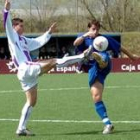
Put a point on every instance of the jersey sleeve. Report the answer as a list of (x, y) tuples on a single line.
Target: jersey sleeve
[(114, 46), (36, 43), (11, 34), (79, 49)]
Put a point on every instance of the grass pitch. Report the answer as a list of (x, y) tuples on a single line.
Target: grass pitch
[(65, 110)]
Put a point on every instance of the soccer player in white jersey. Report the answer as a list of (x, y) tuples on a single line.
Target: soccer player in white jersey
[(28, 71)]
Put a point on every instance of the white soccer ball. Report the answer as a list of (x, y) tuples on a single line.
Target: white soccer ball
[(100, 43)]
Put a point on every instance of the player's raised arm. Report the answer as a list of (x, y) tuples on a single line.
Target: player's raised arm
[(7, 21), (81, 38), (38, 42)]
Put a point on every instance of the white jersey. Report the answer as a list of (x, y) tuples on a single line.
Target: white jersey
[(20, 46)]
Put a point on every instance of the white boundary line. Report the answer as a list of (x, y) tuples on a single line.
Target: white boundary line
[(73, 88), (71, 121)]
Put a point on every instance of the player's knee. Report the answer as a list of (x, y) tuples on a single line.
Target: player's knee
[(96, 97), (33, 103), (45, 67), (53, 62)]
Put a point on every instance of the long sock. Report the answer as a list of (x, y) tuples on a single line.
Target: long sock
[(65, 61), (101, 110), (26, 111)]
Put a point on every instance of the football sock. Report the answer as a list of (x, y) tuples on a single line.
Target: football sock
[(101, 110), (26, 111), (65, 61)]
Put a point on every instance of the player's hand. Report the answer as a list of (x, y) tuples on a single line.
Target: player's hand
[(90, 34), (7, 5), (135, 57), (52, 28)]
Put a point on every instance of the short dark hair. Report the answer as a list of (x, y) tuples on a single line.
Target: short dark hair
[(16, 21), (94, 22)]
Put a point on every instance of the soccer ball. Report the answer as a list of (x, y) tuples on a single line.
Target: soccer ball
[(100, 43)]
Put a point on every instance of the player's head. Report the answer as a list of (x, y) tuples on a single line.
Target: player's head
[(94, 25), (18, 25)]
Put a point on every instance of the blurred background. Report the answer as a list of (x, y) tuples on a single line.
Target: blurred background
[(72, 16), (116, 16)]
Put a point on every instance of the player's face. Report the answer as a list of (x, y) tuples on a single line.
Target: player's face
[(94, 29), (19, 28)]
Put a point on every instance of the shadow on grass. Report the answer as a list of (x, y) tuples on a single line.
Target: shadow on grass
[(116, 132), (83, 133), (73, 133), (126, 131)]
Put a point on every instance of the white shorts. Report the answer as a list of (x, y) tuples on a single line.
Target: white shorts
[(28, 74)]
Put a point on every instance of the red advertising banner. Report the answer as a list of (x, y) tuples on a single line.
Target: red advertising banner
[(118, 65), (125, 65), (3, 67)]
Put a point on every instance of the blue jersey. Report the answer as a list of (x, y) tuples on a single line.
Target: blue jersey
[(92, 67), (113, 47)]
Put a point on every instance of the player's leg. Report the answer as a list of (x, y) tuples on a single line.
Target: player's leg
[(31, 98), (47, 65), (96, 92), (27, 74), (96, 82), (65, 61)]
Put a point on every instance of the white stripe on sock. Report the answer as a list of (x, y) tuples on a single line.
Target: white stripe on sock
[(105, 120)]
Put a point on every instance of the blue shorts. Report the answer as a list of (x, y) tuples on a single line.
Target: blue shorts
[(95, 72)]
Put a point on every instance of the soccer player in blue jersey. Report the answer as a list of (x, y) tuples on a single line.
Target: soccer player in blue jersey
[(99, 67)]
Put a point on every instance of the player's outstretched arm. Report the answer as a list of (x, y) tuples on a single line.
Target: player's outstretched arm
[(7, 22), (129, 54), (7, 5), (81, 38), (36, 43)]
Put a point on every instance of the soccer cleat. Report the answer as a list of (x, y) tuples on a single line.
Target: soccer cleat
[(88, 52), (108, 129), (24, 132), (99, 60)]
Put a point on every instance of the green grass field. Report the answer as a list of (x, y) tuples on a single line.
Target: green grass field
[(65, 101)]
